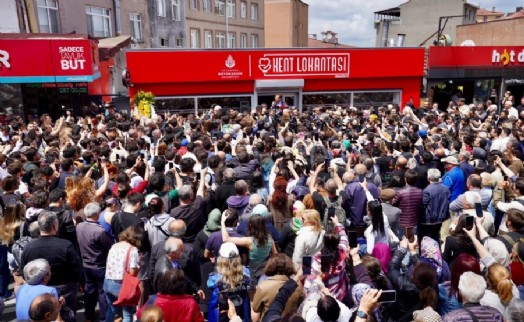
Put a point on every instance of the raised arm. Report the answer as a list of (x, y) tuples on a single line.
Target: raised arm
[(239, 241), (103, 188)]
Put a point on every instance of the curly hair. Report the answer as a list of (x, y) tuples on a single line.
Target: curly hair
[(279, 198)]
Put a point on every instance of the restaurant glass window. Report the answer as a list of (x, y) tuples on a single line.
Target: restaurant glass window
[(174, 104), (239, 103), (364, 99), (326, 99)]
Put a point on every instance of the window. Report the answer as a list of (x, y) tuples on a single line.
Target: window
[(231, 8), (207, 5), (175, 10), (48, 16), (161, 8), (208, 39), (220, 41), (195, 38), (243, 9), (136, 25), (219, 7), (98, 22), (193, 4), (231, 40), (164, 42), (243, 40), (254, 11), (254, 41), (180, 42)]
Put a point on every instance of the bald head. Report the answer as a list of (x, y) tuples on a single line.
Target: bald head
[(44, 308), (177, 228), (440, 153), (402, 162), (360, 169), (348, 177), (331, 186)]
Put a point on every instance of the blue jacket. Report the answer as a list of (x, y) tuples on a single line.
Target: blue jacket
[(214, 283), (455, 181), (435, 200)]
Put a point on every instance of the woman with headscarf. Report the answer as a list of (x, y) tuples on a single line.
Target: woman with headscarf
[(212, 225), (430, 253)]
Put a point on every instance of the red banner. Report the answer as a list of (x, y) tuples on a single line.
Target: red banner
[(48, 60), (241, 65), (476, 57)]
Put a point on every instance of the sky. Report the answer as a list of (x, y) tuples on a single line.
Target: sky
[(353, 19)]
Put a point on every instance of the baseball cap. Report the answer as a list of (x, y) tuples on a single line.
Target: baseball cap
[(450, 160), (260, 210), (184, 142), (228, 250)]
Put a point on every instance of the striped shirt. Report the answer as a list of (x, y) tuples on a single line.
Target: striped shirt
[(409, 200), (474, 312)]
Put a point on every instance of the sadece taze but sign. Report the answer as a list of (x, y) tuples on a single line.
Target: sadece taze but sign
[(212, 65), (48, 60)]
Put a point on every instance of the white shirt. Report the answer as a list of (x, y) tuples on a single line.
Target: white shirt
[(499, 144), (513, 112)]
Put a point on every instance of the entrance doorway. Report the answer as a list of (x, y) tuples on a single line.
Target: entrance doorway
[(290, 98)]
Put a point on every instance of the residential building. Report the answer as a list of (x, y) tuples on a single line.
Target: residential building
[(500, 32), (167, 23), (286, 23), (416, 22), (224, 23), (484, 15), (11, 19)]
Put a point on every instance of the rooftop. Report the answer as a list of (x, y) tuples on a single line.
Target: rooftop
[(486, 12)]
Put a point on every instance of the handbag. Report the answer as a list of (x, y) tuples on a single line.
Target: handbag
[(130, 292)]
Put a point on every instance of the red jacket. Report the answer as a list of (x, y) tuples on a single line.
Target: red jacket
[(176, 308)]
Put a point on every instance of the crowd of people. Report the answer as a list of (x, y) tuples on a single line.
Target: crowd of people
[(331, 214)]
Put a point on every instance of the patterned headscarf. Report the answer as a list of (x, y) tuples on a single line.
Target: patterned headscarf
[(430, 253)]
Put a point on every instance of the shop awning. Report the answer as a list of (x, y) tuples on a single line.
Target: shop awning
[(108, 47)]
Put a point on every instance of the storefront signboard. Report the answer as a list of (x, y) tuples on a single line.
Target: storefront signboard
[(466, 57), (48, 60)]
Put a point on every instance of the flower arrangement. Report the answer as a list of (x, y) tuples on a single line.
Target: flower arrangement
[(143, 102)]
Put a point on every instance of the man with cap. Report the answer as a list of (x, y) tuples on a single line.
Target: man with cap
[(435, 202), (454, 177), (391, 212)]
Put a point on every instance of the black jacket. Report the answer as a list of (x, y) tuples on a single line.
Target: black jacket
[(407, 292), (162, 266)]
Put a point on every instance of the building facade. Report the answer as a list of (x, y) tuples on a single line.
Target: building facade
[(484, 15), (224, 23), (166, 23), (286, 23), (416, 22), (498, 32)]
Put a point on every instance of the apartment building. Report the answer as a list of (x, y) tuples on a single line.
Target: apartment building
[(286, 23), (224, 23)]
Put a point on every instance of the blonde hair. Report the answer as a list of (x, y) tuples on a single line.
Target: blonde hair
[(152, 314), (80, 192), (231, 270), (11, 220), (499, 280), (314, 219), (487, 180)]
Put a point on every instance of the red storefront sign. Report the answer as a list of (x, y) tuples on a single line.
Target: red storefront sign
[(48, 60), (476, 57), (241, 65)]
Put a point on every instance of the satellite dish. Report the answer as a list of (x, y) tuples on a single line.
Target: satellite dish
[(445, 40), (468, 42)]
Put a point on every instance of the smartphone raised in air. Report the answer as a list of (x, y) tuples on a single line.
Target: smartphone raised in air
[(352, 238), (361, 178), (410, 234), (325, 264), (470, 220), (478, 210), (306, 265), (387, 296)]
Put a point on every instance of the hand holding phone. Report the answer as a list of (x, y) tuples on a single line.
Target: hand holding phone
[(410, 234), (387, 296), (353, 239), (306, 265)]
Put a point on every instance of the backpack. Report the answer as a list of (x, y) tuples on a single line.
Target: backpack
[(335, 207), (19, 245)]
